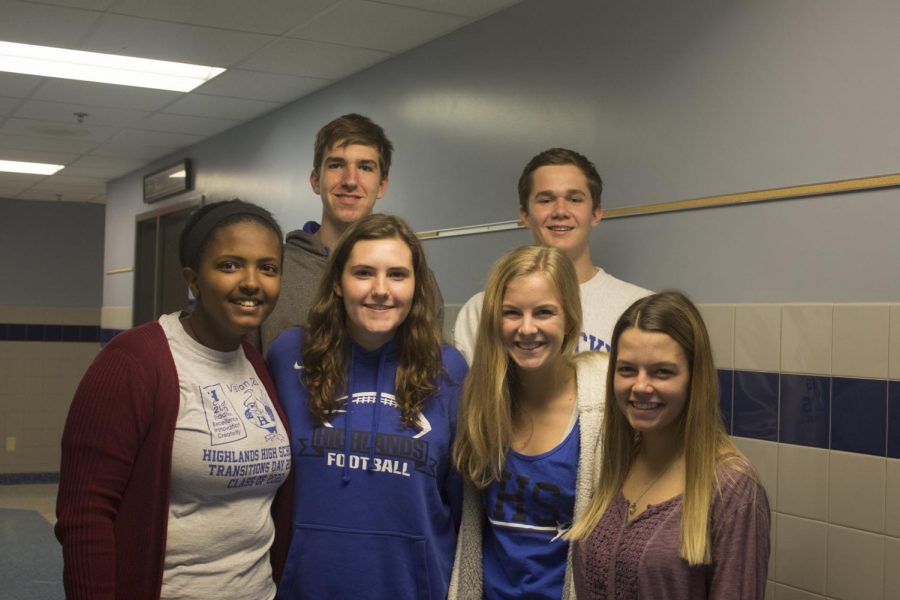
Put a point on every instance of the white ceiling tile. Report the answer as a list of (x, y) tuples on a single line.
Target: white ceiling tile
[(102, 163), (64, 112), (101, 94), (253, 85), (157, 139), (20, 142), (20, 178), (30, 23), (468, 8), (8, 105), (18, 86), (144, 154), (312, 59), (103, 174), (131, 36), (378, 26), (56, 130), (38, 193), (85, 4), (220, 108), (51, 184), (274, 17), (10, 187), (201, 126), (42, 156)]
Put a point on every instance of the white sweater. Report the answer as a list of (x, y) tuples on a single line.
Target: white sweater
[(603, 300)]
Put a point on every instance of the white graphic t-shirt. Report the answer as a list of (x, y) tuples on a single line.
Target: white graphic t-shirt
[(229, 456)]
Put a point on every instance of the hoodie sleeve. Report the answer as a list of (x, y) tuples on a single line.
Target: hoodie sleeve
[(456, 369)]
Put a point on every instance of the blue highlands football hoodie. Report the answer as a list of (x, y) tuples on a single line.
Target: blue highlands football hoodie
[(376, 512)]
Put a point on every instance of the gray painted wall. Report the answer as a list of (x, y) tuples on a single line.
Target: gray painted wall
[(52, 254), (672, 100)]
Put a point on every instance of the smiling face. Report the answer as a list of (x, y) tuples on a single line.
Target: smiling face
[(377, 286), (652, 381), (236, 283), (534, 324), (560, 210), (349, 182)]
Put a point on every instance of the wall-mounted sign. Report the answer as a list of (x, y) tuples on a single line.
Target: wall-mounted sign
[(168, 182)]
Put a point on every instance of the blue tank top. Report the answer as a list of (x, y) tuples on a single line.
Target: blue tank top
[(527, 512)]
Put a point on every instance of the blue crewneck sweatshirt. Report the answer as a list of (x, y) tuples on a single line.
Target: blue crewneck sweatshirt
[(376, 512)]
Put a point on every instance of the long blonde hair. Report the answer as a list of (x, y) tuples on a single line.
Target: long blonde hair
[(706, 444), (326, 351), (484, 426)]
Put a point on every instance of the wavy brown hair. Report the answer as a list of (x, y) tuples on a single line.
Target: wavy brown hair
[(484, 425), (326, 350)]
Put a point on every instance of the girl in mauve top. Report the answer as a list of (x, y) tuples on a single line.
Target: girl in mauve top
[(678, 511)]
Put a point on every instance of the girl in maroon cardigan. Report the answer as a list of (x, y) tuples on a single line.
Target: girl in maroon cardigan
[(175, 444), (678, 511)]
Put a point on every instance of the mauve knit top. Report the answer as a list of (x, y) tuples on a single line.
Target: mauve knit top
[(627, 561)]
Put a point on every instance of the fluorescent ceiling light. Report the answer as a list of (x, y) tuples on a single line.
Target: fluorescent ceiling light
[(103, 68), (13, 166)]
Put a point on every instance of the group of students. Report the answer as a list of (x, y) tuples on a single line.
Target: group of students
[(365, 458)]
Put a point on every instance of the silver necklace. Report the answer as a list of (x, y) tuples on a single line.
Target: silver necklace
[(632, 506)]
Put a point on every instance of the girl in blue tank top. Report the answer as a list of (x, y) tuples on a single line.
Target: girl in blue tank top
[(528, 431)]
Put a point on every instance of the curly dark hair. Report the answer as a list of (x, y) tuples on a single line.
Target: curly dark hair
[(326, 350)]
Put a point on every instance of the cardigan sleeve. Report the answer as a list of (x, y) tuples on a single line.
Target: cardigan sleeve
[(109, 417), (740, 539)]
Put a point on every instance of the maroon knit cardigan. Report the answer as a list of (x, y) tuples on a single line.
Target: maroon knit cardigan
[(113, 503)]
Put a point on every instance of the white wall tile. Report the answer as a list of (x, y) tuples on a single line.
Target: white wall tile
[(784, 592), (892, 500), (855, 568), (806, 338), (74, 316), (24, 314), (803, 481), (891, 568), (764, 456), (860, 347), (757, 337), (773, 543), (719, 319), (894, 339), (115, 317), (801, 553), (856, 491)]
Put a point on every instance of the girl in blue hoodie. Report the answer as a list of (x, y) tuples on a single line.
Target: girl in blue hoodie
[(371, 395)]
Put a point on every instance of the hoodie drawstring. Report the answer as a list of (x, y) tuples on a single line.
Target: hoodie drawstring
[(348, 420), (376, 412)]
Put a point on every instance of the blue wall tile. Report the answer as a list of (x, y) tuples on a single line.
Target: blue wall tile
[(859, 415), (804, 410), (756, 405), (107, 334), (725, 396), (36, 332), (893, 428), (52, 333)]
